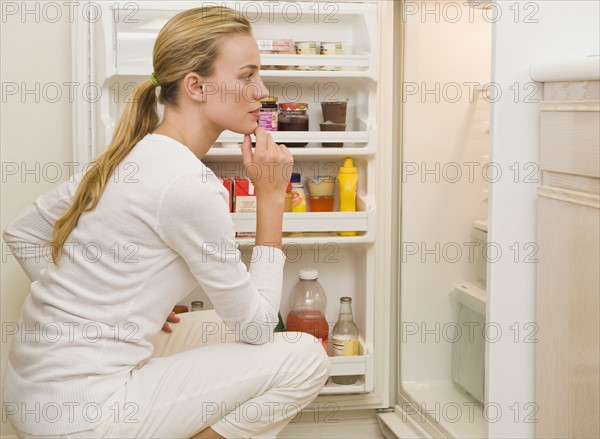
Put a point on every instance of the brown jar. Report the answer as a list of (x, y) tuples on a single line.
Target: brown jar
[(293, 117), (178, 309)]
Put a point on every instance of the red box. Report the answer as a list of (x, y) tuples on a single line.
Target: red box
[(228, 183), (244, 197)]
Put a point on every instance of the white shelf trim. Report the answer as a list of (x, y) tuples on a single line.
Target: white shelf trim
[(315, 60), (218, 153), (305, 136), (574, 69), (308, 239), (309, 222)]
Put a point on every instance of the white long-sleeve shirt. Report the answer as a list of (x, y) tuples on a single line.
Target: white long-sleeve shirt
[(162, 227)]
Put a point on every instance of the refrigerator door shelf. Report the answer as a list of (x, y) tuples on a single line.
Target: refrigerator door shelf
[(332, 388), (126, 32), (217, 153), (471, 295), (351, 62), (361, 365), (324, 74), (352, 65), (312, 222), (310, 239), (308, 136)]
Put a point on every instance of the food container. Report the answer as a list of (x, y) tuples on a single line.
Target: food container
[(298, 194), (287, 207), (179, 309), (321, 186), (228, 183), (321, 204), (293, 117), (197, 305), (331, 126), (244, 200), (306, 48), (331, 49), (268, 114), (277, 47)]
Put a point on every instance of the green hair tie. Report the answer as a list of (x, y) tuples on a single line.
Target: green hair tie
[(153, 80)]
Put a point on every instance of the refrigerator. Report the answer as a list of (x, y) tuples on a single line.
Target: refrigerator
[(394, 125)]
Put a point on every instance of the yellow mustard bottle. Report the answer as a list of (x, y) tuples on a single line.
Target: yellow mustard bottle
[(347, 181)]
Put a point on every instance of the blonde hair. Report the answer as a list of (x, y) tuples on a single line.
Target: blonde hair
[(189, 42)]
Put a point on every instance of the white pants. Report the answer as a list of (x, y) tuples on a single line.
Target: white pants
[(196, 379)]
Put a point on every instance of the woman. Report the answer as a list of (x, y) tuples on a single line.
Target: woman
[(127, 246)]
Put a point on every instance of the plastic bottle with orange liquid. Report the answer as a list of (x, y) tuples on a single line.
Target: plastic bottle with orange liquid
[(308, 303)]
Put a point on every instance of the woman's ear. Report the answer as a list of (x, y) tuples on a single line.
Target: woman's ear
[(196, 87)]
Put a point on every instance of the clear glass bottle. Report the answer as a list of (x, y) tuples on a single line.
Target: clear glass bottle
[(307, 306), (345, 338)]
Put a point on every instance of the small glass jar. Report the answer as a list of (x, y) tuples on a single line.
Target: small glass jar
[(268, 114), (293, 117), (197, 305)]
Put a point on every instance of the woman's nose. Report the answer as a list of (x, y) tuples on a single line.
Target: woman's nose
[(261, 91)]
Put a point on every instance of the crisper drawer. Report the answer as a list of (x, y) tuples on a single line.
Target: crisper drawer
[(570, 139)]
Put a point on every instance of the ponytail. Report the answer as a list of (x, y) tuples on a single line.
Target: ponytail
[(140, 118)]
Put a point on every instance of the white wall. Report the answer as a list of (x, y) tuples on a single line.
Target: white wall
[(35, 129), (563, 29)]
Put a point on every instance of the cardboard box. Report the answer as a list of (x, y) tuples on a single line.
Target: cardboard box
[(244, 196), (228, 183)]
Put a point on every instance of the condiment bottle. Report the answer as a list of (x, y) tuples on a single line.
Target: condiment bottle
[(345, 338), (307, 307), (347, 181), (287, 207), (298, 194), (268, 113)]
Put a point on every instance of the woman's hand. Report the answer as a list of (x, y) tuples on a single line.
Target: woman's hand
[(269, 169), (270, 166), (171, 318)]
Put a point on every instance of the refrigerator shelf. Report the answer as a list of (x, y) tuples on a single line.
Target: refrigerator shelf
[(300, 74), (332, 388), (229, 154), (324, 238), (310, 222), (354, 365), (345, 61), (307, 136)]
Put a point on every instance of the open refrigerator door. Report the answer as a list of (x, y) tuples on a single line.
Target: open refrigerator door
[(112, 52)]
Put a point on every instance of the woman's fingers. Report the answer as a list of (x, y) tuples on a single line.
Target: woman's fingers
[(247, 155), (173, 318), (268, 164)]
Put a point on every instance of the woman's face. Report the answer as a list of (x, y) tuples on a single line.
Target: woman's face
[(234, 91)]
